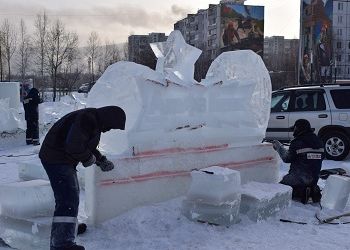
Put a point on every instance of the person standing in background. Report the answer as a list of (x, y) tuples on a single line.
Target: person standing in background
[(31, 109)]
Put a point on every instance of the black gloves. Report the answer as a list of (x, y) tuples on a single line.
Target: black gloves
[(90, 161), (105, 164), (276, 145)]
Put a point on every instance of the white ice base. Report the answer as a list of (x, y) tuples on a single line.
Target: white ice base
[(159, 176), (262, 200), (26, 234)]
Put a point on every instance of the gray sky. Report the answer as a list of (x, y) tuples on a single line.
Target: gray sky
[(115, 20)]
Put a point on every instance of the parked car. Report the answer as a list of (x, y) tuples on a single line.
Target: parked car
[(326, 107), (85, 88)]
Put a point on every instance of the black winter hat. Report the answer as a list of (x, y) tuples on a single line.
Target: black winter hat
[(111, 117), (301, 126)]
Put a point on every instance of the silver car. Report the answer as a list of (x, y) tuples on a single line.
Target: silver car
[(326, 107)]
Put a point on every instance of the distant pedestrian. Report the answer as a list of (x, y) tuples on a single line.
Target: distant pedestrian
[(31, 110), (71, 140), (305, 153)]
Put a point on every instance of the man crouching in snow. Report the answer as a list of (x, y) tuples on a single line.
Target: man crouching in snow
[(71, 140), (305, 154)]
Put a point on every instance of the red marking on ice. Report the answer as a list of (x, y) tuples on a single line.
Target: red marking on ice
[(166, 174), (181, 150)]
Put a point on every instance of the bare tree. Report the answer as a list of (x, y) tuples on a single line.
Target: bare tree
[(93, 51), (61, 45), (24, 50), (1, 56), (110, 54), (41, 32), (9, 43)]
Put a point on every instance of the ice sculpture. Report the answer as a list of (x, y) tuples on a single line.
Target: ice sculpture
[(166, 109), (175, 125)]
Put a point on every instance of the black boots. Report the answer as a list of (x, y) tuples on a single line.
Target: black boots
[(303, 194)]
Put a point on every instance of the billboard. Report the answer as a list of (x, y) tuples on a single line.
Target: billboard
[(242, 27), (316, 41)]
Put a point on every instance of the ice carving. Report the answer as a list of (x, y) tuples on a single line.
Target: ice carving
[(228, 108), (176, 59)]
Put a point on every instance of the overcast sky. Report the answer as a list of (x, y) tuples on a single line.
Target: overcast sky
[(115, 20)]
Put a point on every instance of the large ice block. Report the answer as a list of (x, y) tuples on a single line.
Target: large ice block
[(33, 170), (214, 185), (26, 234), (27, 199), (224, 214), (262, 200), (335, 194), (159, 176), (231, 106)]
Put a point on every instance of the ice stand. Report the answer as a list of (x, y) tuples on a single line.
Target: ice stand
[(175, 124), (214, 196)]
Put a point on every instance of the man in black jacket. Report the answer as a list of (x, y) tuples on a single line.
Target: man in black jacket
[(31, 112), (71, 140), (305, 154)]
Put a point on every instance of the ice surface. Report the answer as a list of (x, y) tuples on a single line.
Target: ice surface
[(262, 200), (10, 119), (215, 185), (26, 234), (35, 198), (231, 106), (224, 214), (336, 192), (11, 91)]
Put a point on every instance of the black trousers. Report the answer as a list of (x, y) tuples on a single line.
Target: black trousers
[(65, 186), (32, 132)]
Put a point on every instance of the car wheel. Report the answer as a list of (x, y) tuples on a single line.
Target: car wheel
[(336, 145)]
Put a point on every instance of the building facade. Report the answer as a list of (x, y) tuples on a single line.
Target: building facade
[(227, 26), (325, 41), (139, 50)]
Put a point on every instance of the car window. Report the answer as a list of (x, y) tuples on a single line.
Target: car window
[(309, 101), (280, 102), (341, 98)]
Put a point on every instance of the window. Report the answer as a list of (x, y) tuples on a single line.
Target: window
[(280, 102), (341, 98), (339, 58), (338, 45), (340, 32), (309, 101), (340, 19), (340, 6), (349, 58)]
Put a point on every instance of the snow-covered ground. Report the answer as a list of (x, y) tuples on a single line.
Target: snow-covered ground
[(162, 226)]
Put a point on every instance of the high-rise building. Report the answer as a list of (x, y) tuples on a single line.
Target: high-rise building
[(229, 25), (139, 50)]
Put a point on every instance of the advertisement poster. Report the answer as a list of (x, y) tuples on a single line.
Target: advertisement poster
[(316, 41), (242, 27)]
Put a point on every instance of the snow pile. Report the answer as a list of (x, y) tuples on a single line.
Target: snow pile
[(167, 109)]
